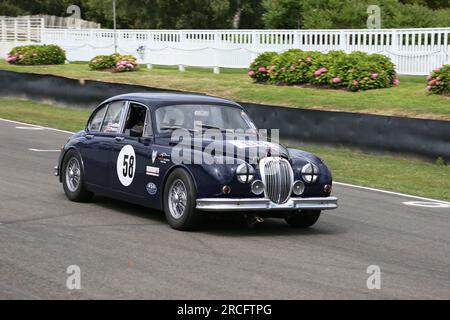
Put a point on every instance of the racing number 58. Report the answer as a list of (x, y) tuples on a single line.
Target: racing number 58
[(128, 166)]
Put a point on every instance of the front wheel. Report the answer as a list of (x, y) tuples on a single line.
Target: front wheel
[(73, 178), (180, 201), (303, 219)]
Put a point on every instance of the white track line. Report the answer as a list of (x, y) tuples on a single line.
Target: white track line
[(36, 126), (41, 150), (390, 192), (334, 182), (30, 128)]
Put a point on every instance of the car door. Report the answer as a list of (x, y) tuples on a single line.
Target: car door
[(131, 156), (98, 142)]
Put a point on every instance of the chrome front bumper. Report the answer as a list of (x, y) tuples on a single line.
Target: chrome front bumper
[(262, 204)]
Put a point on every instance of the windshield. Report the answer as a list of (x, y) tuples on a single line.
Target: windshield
[(189, 117)]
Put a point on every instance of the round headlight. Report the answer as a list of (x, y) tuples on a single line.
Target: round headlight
[(245, 173), (298, 188), (257, 187), (310, 173)]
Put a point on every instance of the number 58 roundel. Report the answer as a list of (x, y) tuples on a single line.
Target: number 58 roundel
[(126, 164)]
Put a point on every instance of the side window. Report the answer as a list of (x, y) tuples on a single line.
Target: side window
[(111, 123), (96, 121), (135, 122)]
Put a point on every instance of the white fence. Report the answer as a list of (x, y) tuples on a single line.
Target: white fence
[(414, 51), (21, 29)]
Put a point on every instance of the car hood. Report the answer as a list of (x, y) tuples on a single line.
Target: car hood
[(244, 149)]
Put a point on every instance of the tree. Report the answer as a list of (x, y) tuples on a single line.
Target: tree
[(283, 14), (176, 14), (31, 7), (433, 4), (247, 14)]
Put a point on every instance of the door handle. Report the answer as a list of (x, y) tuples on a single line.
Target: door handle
[(118, 139), (89, 136)]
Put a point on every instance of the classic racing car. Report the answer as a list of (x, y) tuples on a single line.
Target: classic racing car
[(128, 151)]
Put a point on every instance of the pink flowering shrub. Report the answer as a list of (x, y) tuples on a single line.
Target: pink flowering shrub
[(36, 55), (335, 69), (259, 69), (292, 67), (114, 63), (439, 80)]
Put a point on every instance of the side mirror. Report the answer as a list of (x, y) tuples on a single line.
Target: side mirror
[(136, 132)]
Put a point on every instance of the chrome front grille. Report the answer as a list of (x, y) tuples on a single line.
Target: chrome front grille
[(278, 178)]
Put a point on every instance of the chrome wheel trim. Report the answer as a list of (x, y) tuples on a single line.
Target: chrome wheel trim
[(177, 200), (73, 174)]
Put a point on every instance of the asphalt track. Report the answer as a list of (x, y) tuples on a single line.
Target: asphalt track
[(128, 252)]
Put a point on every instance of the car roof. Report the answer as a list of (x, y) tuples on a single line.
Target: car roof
[(158, 99)]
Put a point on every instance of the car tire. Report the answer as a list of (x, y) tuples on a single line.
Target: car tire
[(180, 201), (303, 219), (72, 171)]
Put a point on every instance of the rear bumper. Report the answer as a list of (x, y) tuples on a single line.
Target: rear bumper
[(258, 204)]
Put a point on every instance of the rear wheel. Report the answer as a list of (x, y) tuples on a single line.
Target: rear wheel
[(303, 219), (180, 201), (73, 178)]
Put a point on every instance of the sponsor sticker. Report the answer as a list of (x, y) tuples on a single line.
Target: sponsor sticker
[(151, 188), (163, 158), (152, 171)]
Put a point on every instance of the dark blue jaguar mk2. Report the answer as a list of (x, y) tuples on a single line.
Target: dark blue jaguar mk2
[(127, 150)]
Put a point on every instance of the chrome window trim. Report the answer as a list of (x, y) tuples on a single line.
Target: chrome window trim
[(147, 121)]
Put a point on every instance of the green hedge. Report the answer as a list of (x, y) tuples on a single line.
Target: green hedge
[(335, 69), (439, 80), (114, 63), (36, 55)]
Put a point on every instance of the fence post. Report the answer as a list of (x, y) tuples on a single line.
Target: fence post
[(29, 30), (255, 44), (91, 44), (216, 68), (446, 35), (181, 67), (4, 35), (394, 42), (296, 39), (41, 30), (15, 30), (343, 40)]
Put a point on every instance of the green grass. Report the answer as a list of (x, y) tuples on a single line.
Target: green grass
[(409, 99), (42, 114), (403, 175)]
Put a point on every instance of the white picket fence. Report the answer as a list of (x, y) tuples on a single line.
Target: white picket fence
[(414, 51), (21, 29)]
